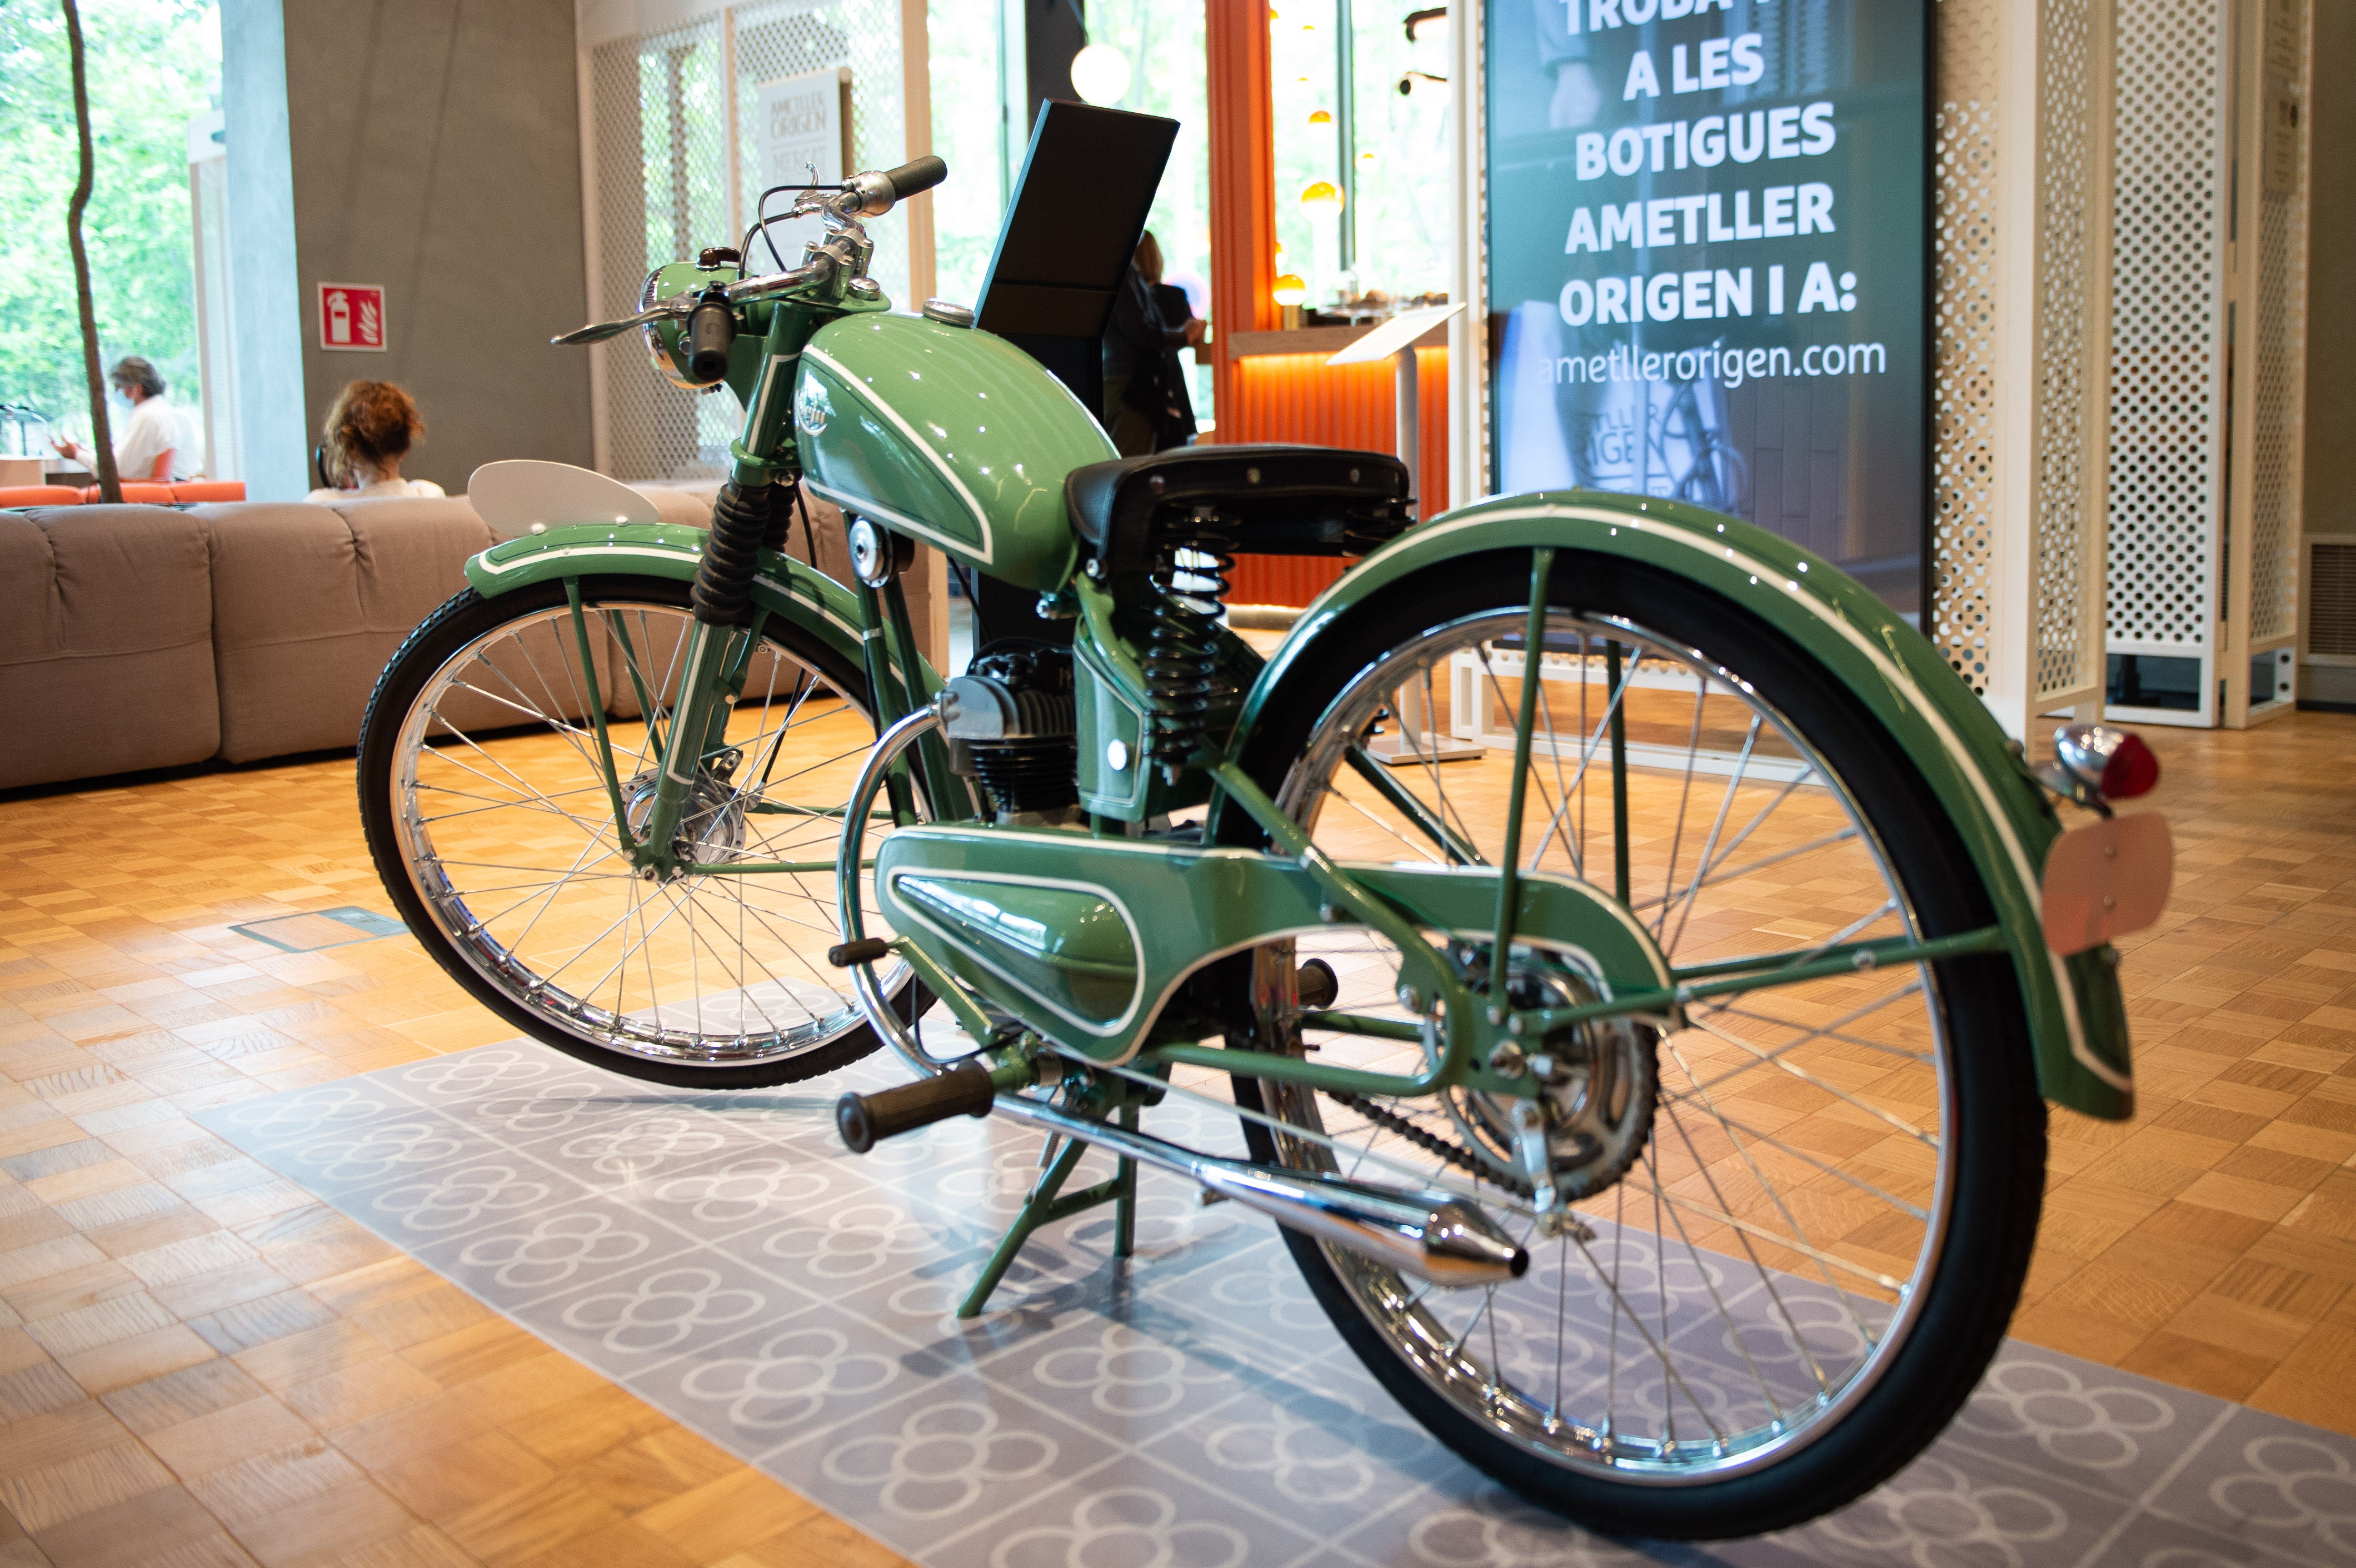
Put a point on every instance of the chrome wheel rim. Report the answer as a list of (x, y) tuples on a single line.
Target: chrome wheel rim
[(506, 829), (1733, 1297)]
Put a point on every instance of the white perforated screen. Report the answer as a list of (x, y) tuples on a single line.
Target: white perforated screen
[(2067, 320), (671, 178), (663, 194), (2170, 185), (2279, 394), (1964, 334)]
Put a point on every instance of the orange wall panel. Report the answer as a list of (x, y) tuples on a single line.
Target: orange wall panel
[(1285, 397), (1298, 397)]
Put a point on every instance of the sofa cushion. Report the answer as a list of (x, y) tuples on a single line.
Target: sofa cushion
[(311, 601), (105, 643), (685, 501)]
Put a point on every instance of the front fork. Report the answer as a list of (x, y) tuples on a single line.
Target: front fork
[(711, 678), (699, 731)]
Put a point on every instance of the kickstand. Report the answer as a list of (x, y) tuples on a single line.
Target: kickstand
[(1044, 1207)]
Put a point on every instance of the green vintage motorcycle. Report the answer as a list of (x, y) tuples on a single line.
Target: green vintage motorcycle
[(1621, 936)]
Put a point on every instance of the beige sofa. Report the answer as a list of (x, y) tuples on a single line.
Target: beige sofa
[(142, 637)]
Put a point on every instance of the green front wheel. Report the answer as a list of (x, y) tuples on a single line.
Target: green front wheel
[(1799, 1222)]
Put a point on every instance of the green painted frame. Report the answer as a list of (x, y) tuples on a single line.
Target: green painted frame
[(2076, 1016)]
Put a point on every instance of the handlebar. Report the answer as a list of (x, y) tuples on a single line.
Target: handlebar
[(873, 193), (711, 325), (738, 293), (917, 174), (711, 329)]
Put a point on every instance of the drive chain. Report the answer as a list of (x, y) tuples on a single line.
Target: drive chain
[(1455, 1154)]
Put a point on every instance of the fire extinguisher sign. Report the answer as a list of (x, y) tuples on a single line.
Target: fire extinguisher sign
[(351, 317)]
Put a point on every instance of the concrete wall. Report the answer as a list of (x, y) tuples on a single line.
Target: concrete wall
[(265, 303), (433, 148)]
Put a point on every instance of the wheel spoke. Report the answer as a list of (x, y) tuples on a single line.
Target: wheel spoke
[(717, 968), (1764, 1242)]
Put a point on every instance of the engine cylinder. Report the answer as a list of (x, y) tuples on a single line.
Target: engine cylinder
[(1011, 720)]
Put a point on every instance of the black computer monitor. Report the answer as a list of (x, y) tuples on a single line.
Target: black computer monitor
[(1079, 208)]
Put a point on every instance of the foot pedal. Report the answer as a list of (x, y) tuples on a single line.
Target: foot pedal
[(864, 1119), (868, 950)]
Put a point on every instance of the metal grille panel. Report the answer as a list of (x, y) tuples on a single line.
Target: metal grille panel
[(2331, 598), (773, 42), (2279, 395), (661, 149), (787, 38), (1963, 330), (671, 124), (2169, 193), (2066, 113)]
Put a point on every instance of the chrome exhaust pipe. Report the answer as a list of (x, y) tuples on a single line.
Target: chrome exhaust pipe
[(1433, 1235)]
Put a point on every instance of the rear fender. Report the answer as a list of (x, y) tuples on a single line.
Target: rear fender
[(2077, 1018), (785, 588)]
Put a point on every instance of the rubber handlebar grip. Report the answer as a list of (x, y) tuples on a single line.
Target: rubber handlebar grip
[(711, 329), (915, 175), (864, 1119)]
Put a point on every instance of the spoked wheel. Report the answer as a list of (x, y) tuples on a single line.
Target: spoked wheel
[(491, 821), (1803, 1218)]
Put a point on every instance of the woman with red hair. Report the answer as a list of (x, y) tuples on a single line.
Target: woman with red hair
[(370, 428)]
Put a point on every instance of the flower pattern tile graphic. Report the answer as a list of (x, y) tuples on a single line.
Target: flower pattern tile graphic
[(722, 1258)]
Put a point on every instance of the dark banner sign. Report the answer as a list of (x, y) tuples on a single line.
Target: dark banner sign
[(1707, 261)]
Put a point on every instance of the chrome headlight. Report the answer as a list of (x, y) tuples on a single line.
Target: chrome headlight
[(666, 350)]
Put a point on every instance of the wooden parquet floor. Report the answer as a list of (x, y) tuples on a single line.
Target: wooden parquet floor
[(199, 1364)]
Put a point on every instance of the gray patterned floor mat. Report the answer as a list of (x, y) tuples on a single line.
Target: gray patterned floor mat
[(723, 1259)]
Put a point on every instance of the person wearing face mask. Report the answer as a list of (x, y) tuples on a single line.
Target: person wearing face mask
[(149, 446), (369, 429)]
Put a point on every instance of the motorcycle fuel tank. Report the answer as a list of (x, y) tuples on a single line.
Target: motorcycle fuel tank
[(950, 435)]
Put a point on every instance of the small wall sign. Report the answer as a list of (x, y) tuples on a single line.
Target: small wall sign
[(351, 317)]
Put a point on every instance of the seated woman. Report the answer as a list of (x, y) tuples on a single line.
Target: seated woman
[(149, 446), (370, 428)]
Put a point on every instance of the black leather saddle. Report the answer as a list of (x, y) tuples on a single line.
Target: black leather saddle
[(1264, 499)]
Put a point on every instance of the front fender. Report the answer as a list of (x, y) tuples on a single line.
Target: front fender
[(785, 588), (2077, 1018)]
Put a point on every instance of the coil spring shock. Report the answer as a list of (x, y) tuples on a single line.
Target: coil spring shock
[(743, 521), (1183, 679)]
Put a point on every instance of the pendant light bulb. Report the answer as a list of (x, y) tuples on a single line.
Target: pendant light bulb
[(1100, 74)]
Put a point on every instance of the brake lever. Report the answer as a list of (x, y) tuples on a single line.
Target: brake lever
[(597, 332), (682, 305)]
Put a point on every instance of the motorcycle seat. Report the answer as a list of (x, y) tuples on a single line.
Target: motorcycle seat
[(1270, 498)]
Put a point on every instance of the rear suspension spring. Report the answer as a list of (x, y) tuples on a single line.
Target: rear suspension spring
[(1184, 678)]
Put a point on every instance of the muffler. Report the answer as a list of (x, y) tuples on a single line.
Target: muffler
[(1433, 1235)]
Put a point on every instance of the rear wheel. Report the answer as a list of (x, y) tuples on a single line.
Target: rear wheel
[(490, 821), (1804, 1218)]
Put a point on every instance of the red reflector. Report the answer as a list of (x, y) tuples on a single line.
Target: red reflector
[(2132, 770)]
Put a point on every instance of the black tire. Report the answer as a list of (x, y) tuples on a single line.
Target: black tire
[(1999, 1122), (463, 622)]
